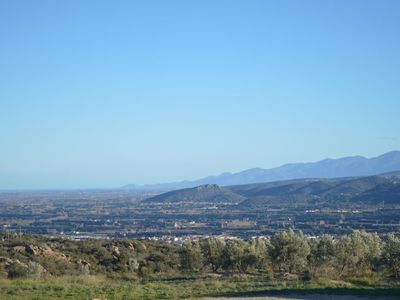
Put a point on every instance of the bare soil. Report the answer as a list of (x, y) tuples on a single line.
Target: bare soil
[(308, 297)]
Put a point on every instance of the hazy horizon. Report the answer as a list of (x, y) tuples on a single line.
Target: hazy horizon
[(97, 94), (175, 180)]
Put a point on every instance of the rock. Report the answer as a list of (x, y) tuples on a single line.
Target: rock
[(83, 267), (32, 250), (131, 246), (19, 249), (290, 276), (115, 251), (46, 251), (83, 262), (6, 260)]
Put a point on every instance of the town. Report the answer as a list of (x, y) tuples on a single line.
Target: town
[(123, 213)]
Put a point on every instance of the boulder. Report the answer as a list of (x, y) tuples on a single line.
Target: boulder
[(19, 249), (115, 251), (46, 251), (32, 250)]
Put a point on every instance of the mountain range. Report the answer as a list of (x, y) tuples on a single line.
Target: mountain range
[(328, 168), (375, 190)]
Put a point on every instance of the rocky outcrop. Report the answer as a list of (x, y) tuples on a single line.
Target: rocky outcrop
[(32, 250), (45, 251), (19, 249), (83, 267), (131, 247), (115, 251), (5, 260)]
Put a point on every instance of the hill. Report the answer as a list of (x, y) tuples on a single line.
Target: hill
[(327, 168), (369, 190), (336, 192), (205, 193)]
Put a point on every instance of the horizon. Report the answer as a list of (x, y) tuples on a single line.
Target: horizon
[(98, 95), (193, 179)]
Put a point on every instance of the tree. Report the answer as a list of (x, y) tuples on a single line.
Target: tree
[(191, 257), (322, 252), (358, 251), (256, 255), (391, 254), (233, 255), (212, 250), (289, 251)]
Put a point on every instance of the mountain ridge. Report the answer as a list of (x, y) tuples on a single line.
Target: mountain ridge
[(319, 192), (202, 193), (327, 168)]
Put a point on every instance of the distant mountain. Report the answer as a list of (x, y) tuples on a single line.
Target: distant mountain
[(337, 192), (209, 193), (327, 168)]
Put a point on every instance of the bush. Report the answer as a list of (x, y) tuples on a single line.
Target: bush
[(17, 270), (364, 281), (35, 270)]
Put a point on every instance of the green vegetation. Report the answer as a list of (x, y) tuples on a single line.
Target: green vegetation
[(101, 287), (35, 267)]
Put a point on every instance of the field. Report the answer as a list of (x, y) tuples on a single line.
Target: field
[(99, 287), (288, 264)]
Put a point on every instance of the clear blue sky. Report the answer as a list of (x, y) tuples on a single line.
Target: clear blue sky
[(106, 93)]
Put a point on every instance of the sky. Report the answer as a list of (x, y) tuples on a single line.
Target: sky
[(99, 94)]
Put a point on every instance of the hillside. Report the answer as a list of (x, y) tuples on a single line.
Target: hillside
[(39, 267), (369, 190), (204, 193), (327, 168)]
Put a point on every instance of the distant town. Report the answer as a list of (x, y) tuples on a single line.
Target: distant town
[(92, 214)]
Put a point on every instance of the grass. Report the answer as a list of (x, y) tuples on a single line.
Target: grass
[(90, 287)]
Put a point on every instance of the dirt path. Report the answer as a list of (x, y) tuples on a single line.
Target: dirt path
[(308, 297)]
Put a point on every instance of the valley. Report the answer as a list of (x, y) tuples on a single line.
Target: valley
[(315, 206)]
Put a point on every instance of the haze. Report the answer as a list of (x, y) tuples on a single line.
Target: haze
[(106, 93)]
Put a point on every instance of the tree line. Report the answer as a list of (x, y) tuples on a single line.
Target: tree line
[(358, 254), (290, 253)]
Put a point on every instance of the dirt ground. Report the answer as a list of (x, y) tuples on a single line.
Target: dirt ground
[(308, 297)]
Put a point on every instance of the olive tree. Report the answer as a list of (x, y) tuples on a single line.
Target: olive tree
[(358, 251), (212, 250), (259, 248), (191, 257), (391, 254), (289, 251), (233, 254), (322, 251)]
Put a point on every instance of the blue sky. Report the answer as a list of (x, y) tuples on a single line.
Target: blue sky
[(105, 93)]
